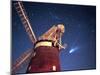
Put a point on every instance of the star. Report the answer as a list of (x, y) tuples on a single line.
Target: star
[(92, 31)]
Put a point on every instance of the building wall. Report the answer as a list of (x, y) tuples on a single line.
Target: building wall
[(45, 59)]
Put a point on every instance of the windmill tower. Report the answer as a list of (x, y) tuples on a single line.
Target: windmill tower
[(45, 55)]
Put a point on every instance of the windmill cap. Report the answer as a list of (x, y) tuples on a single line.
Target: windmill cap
[(61, 27)]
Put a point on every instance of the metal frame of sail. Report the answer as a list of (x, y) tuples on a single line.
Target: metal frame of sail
[(21, 11), (23, 58)]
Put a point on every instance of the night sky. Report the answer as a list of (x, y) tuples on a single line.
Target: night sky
[(80, 32)]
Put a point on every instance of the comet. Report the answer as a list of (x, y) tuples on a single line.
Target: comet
[(73, 50)]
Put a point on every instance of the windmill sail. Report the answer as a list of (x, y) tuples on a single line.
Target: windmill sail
[(23, 16), (54, 34), (22, 59)]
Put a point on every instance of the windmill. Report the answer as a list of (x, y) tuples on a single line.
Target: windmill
[(45, 55)]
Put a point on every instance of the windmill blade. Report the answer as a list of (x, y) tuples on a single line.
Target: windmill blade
[(21, 60), (54, 34), (24, 18), (49, 33)]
